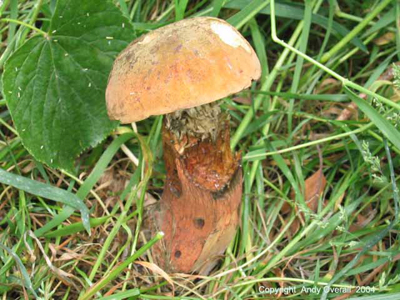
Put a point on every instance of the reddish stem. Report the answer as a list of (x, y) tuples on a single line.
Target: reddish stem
[(200, 207)]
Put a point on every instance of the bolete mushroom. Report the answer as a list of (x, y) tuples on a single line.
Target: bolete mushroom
[(180, 70)]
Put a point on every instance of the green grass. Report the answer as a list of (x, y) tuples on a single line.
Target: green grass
[(317, 59)]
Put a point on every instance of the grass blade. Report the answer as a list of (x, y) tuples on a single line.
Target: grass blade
[(46, 191), (296, 12), (377, 237), (24, 272), (384, 125), (89, 182), (249, 11), (217, 5), (75, 227), (118, 270), (379, 297), (122, 295)]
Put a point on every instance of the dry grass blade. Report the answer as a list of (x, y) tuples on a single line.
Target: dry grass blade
[(156, 269), (385, 39), (62, 275), (314, 186)]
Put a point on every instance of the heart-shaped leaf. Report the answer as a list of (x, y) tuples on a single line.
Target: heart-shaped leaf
[(54, 84)]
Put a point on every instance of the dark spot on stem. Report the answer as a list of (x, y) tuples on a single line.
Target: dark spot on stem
[(199, 223)]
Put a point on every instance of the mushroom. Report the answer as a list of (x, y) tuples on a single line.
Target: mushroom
[(180, 70)]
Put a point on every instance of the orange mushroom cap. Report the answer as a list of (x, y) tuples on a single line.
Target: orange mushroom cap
[(179, 66)]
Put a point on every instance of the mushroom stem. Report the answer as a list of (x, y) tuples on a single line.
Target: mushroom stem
[(199, 208)]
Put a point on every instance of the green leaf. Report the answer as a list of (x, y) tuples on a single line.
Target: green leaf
[(46, 191), (383, 125), (54, 85)]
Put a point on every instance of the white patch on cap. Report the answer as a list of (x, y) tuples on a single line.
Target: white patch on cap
[(148, 38), (229, 36)]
